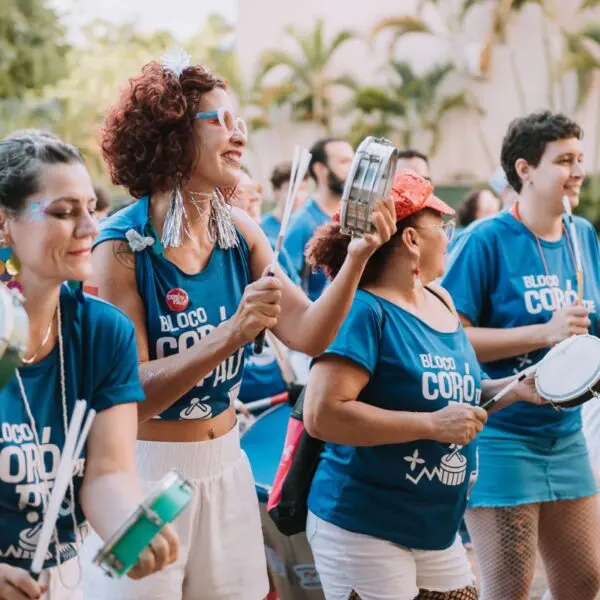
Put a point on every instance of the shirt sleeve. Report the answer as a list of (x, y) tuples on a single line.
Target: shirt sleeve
[(359, 336), (468, 276), (118, 383)]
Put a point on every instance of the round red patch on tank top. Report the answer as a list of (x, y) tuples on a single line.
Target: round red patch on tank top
[(177, 299)]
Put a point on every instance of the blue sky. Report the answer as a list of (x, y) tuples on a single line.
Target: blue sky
[(181, 17)]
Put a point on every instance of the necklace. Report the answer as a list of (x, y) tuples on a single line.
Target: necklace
[(32, 358), (515, 213), (41, 468)]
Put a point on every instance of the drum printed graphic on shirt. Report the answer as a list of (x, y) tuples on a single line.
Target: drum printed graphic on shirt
[(441, 380), (19, 466)]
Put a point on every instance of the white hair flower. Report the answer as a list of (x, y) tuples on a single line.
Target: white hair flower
[(176, 60)]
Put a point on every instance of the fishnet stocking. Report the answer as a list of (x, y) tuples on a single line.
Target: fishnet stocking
[(569, 532), (468, 593), (505, 544)]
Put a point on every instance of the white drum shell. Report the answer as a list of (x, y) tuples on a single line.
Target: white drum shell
[(570, 371)]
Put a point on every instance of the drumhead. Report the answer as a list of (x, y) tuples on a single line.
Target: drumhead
[(570, 369)]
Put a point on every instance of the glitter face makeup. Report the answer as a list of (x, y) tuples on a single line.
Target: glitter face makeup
[(36, 211)]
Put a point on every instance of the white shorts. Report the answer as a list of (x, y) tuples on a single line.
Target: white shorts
[(380, 570), (63, 584), (222, 553)]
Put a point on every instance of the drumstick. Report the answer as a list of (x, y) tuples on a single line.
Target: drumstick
[(285, 366), (575, 240), (63, 477), (505, 390), (266, 402), (300, 164), (84, 433), (522, 375)]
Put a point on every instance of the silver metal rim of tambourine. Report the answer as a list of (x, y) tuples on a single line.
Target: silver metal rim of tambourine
[(14, 327), (371, 177)]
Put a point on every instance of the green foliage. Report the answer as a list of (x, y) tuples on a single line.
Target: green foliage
[(75, 107), (306, 83), (32, 47), (589, 200), (410, 104), (399, 27)]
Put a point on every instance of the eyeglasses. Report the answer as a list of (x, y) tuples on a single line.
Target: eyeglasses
[(449, 227), (227, 121)]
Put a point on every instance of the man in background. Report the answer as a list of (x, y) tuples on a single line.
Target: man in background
[(280, 181), (415, 161), (329, 166)]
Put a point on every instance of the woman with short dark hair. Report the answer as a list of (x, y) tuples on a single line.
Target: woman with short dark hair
[(513, 280)]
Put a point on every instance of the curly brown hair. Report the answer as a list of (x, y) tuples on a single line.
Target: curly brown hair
[(147, 137), (328, 248)]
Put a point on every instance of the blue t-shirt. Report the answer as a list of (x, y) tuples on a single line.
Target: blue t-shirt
[(181, 309), (412, 494), (270, 225), (101, 367), (497, 279), (262, 375), (305, 222)]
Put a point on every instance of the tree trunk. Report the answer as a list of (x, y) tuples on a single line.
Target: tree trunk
[(514, 66), (549, 62)]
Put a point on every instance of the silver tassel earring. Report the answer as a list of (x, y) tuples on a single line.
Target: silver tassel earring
[(174, 228), (222, 230)]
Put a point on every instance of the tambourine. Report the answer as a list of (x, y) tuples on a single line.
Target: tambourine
[(569, 374), (371, 177), (14, 334), (163, 505)]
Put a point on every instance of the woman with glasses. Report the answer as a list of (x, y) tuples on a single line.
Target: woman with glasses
[(513, 279), (191, 272), (396, 399)]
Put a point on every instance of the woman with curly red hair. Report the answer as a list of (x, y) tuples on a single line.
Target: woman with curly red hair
[(190, 271), (396, 399)]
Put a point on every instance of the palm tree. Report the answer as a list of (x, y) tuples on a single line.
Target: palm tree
[(307, 84), (451, 31), (412, 104)]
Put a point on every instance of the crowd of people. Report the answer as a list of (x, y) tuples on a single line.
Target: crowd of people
[(398, 336)]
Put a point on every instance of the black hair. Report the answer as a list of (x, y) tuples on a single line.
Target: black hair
[(282, 174), (22, 156), (318, 153), (103, 200), (468, 207), (527, 138)]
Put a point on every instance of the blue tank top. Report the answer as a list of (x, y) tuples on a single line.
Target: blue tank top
[(181, 309), (411, 494)]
